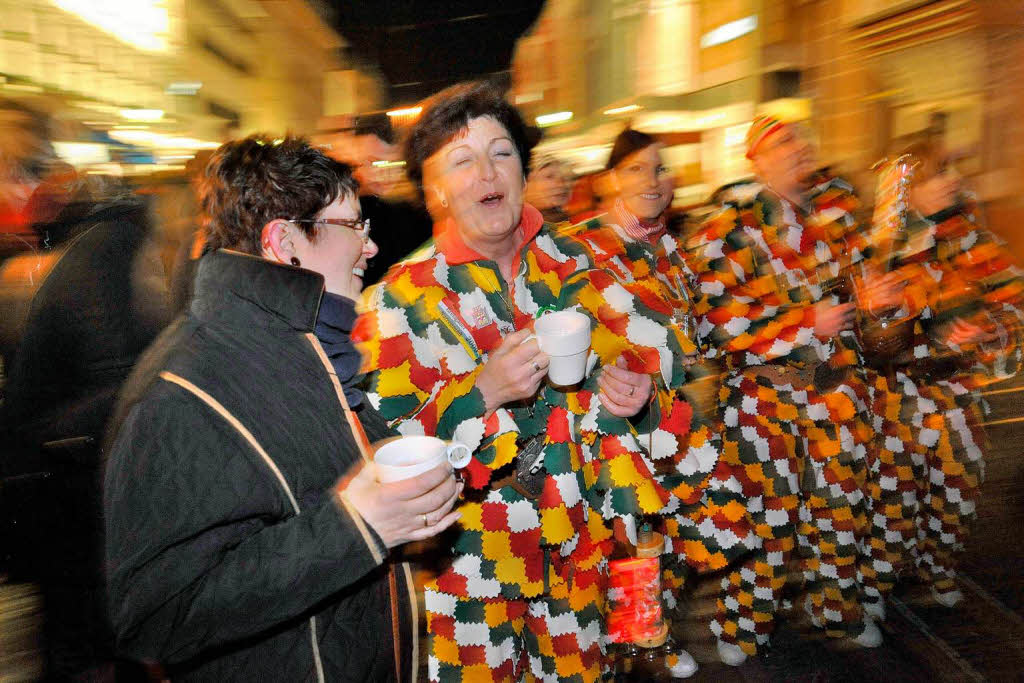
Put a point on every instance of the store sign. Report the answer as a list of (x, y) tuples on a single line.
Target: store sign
[(730, 31)]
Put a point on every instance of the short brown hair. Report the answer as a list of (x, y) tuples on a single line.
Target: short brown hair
[(250, 182), (450, 111)]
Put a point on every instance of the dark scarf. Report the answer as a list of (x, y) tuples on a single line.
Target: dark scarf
[(333, 327)]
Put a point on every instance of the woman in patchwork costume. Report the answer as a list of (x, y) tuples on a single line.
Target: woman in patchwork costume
[(924, 495), (765, 263), (724, 505), (448, 347)]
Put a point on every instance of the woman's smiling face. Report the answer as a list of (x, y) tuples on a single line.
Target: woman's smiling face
[(644, 183), (479, 176)]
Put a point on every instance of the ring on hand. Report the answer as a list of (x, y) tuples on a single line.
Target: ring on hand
[(536, 367), (632, 390), (425, 522)]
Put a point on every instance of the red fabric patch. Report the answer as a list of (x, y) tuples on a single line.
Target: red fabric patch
[(442, 625), (524, 544), (476, 475), (452, 583), (394, 351), (494, 516), (558, 426)]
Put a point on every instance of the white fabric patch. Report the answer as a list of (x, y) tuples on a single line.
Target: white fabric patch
[(472, 634), (440, 603), (522, 516)]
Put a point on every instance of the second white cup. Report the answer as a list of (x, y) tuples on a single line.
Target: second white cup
[(565, 337), (408, 456)]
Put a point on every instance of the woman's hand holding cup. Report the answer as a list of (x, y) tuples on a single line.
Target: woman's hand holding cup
[(514, 371), (412, 509)]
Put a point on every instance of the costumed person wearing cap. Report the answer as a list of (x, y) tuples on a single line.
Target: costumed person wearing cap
[(765, 262), (924, 487)]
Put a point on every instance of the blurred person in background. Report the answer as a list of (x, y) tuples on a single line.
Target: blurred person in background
[(397, 225), (246, 537), (793, 390), (26, 156), (448, 347), (924, 495), (178, 206), (590, 196), (97, 303), (548, 187)]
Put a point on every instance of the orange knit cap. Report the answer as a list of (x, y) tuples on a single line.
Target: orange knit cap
[(761, 127)]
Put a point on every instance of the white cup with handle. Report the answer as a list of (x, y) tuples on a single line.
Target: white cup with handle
[(565, 337), (408, 456)]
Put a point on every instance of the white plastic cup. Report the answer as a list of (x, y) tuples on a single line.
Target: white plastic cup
[(565, 337), (408, 456)]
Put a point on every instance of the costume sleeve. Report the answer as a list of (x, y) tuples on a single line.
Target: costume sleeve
[(976, 278), (423, 365), (742, 305), (203, 547)]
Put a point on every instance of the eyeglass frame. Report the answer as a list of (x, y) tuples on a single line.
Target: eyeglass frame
[(361, 225)]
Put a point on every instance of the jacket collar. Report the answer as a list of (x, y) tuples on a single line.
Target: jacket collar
[(456, 252), (230, 284)]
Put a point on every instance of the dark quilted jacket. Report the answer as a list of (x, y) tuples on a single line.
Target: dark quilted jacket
[(211, 571)]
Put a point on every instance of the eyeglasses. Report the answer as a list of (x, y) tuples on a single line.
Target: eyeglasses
[(360, 224)]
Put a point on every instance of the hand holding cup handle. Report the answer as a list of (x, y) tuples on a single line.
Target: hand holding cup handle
[(413, 508)]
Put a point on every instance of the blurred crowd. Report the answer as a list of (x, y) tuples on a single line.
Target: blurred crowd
[(784, 383)]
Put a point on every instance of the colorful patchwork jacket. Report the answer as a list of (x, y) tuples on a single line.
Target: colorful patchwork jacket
[(759, 261), (425, 338), (966, 272), (641, 304)]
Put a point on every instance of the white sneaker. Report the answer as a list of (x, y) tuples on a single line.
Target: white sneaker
[(949, 599), (875, 609), (684, 667), (871, 636), (731, 654)]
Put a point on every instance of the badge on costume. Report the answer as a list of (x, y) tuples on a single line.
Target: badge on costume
[(479, 317)]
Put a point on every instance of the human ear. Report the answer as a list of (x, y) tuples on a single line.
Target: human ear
[(276, 242)]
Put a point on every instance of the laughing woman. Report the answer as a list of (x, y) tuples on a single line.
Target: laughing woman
[(450, 353)]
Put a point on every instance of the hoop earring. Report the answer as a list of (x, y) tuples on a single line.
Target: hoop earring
[(295, 261)]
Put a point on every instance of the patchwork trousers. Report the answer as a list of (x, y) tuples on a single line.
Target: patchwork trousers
[(923, 489), (553, 637), (758, 470)]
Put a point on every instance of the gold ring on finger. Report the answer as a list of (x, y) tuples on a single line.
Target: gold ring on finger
[(425, 521)]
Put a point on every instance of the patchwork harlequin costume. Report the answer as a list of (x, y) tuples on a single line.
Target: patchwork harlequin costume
[(522, 594), (642, 306), (924, 490), (763, 264)]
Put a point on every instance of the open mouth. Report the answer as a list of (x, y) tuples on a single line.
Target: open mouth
[(651, 196), (492, 199), (358, 272)]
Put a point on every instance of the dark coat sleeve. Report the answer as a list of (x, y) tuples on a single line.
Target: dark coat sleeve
[(203, 547)]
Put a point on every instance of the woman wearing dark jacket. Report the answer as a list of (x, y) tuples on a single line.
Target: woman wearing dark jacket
[(245, 538)]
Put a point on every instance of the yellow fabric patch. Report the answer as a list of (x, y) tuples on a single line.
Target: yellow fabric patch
[(395, 382), (495, 545), (555, 524), (445, 650), (509, 570)]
